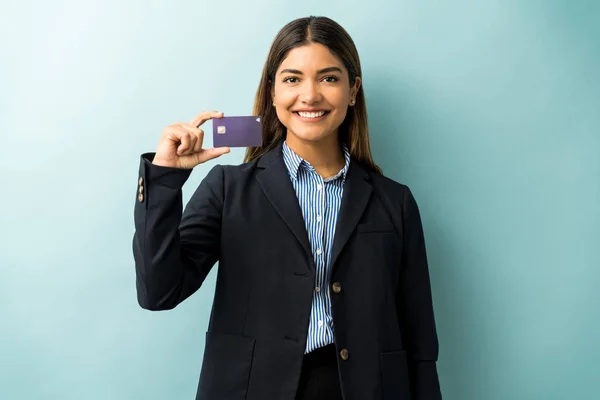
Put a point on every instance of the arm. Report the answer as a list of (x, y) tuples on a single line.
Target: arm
[(415, 307), (173, 250)]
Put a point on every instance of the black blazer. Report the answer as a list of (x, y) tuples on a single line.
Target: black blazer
[(248, 218)]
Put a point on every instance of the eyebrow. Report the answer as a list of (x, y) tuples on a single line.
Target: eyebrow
[(321, 71)]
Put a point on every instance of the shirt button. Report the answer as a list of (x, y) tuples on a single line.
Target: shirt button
[(344, 354), (319, 218), (337, 287), (320, 323), (319, 187), (317, 289), (319, 252)]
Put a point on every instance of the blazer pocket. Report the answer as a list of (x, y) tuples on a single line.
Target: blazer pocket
[(394, 376), (226, 366), (377, 227)]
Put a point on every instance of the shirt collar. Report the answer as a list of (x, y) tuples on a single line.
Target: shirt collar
[(293, 161)]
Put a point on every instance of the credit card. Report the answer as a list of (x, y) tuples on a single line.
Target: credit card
[(243, 131)]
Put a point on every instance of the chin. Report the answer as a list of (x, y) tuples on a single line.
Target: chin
[(311, 135)]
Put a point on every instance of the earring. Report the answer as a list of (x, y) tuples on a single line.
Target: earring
[(273, 104), (352, 102)]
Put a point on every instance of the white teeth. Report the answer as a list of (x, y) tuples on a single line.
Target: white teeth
[(311, 114)]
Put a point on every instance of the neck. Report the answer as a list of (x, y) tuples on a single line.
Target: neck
[(326, 156)]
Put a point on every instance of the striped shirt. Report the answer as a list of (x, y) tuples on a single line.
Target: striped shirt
[(320, 202)]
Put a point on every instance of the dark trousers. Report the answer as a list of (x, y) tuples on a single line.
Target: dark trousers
[(319, 379)]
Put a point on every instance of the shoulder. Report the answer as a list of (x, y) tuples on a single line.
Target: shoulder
[(396, 196), (386, 186), (232, 174), (239, 170), (246, 170)]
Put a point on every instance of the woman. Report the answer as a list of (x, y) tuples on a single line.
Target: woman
[(322, 287)]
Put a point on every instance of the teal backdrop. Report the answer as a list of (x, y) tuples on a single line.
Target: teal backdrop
[(489, 111)]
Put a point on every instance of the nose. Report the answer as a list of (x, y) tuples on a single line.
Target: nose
[(311, 93)]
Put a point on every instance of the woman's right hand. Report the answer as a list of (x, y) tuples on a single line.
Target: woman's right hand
[(181, 144)]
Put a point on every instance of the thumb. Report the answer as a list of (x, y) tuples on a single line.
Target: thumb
[(215, 152)]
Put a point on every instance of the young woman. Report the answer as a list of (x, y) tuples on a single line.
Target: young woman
[(323, 286)]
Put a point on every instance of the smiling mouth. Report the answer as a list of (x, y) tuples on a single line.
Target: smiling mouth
[(311, 115)]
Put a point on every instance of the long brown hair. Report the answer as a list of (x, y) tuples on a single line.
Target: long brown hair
[(354, 131)]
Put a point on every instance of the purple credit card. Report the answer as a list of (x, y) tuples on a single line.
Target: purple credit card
[(237, 132)]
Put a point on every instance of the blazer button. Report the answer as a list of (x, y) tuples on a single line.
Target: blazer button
[(141, 189), (140, 181), (141, 198), (337, 287), (344, 354)]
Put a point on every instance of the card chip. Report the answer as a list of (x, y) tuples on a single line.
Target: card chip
[(221, 129)]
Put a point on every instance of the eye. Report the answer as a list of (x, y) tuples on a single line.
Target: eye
[(291, 79), (331, 78)]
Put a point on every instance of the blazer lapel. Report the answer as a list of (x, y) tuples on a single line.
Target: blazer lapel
[(356, 195), (277, 187)]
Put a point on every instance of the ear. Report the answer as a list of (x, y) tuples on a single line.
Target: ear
[(272, 90), (354, 89)]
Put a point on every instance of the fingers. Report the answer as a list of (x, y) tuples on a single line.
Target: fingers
[(205, 116), (196, 138), (181, 143), (185, 144), (190, 141), (181, 137)]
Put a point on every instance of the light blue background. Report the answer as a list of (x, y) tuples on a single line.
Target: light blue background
[(488, 110)]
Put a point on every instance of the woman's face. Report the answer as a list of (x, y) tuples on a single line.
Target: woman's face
[(311, 92)]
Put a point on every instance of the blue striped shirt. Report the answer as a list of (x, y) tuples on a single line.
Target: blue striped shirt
[(320, 202)]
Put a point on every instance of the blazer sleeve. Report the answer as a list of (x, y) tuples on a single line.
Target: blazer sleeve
[(415, 306), (174, 249)]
